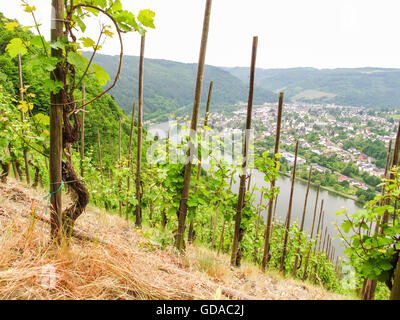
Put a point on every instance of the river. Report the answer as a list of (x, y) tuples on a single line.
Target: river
[(333, 203)]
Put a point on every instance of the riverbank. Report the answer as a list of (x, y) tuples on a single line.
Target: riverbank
[(342, 194)]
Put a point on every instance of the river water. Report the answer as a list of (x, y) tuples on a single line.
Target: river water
[(332, 204)]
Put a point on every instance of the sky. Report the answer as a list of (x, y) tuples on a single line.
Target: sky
[(292, 33)]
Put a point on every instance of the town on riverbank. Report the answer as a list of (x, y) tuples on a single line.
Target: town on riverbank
[(347, 146)]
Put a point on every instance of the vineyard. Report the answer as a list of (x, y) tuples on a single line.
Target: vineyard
[(164, 196)]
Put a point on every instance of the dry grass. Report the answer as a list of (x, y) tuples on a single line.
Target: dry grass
[(124, 265)]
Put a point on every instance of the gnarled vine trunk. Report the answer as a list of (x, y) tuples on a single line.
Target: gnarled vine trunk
[(71, 135), (5, 167), (63, 134)]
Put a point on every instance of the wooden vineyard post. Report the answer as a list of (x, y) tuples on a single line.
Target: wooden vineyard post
[(119, 143), (191, 226), (21, 98), (311, 235), (276, 202), (56, 126), (210, 89), (130, 159), (318, 239), (321, 232), (99, 157), (82, 149), (319, 223), (151, 179), (328, 245), (258, 226), (131, 134), (289, 214), (238, 234), (164, 219), (318, 234), (110, 175), (274, 215), (215, 223), (120, 163), (302, 222), (268, 229), (325, 243), (182, 211), (221, 239), (139, 137)]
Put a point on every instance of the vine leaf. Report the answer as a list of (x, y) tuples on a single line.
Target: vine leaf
[(42, 118), (38, 41), (87, 42), (101, 76), (117, 6), (346, 226), (80, 23), (146, 17), (77, 60), (15, 47), (53, 86), (11, 25)]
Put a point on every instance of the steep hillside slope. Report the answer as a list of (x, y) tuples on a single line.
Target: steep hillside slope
[(109, 259), (369, 87)]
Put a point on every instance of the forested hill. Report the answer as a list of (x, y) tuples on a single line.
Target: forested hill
[(103, 115), (169, 86), (369, 87)]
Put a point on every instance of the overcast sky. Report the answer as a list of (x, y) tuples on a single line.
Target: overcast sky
[(292, 33)]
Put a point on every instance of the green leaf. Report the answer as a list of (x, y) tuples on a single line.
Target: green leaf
[(37, 41), (341, 212), (87, 42), (127, 21), (42, 118), (117, 6), (15, 47), (101, 76), (27, 28), (40, 63), (346, 226), (53, 86), (11, 25), (77, 60), (101, 3), (146, 17), (80, 23), (61, 43), (29, 9)]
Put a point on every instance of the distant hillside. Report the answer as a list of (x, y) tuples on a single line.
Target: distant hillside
[(169, 86), (369, 87)]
